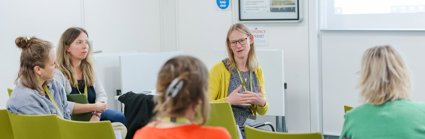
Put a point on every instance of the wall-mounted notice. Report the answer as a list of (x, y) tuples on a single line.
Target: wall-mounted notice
[(269, 10), (260, 36)]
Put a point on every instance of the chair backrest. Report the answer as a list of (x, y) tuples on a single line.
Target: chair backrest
[(9, 91), (221, 115), (35, 126), (82, 99), (5, 125), (254, 133), (86, 130), (347, 108)]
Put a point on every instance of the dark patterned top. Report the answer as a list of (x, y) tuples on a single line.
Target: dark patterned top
[(241, 113)]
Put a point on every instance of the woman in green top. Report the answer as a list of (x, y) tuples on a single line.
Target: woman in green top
[(387, 113)]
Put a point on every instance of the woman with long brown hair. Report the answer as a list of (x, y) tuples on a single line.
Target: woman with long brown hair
[(74, 61)]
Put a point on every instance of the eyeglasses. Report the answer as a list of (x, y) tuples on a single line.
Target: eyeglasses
[(241, 41)]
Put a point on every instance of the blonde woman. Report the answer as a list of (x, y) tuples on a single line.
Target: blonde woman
[(182, 103), (387, 113), (239, 79)]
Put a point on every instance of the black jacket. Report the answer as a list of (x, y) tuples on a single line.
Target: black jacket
[(138, 111)]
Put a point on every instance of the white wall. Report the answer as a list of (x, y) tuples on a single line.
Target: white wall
[(123, 26), (113, 26), (47, 20)]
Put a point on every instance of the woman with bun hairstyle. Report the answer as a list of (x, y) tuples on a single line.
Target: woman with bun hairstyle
[(35, 92)]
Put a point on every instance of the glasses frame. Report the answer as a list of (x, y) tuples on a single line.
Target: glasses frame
[(245, 40)]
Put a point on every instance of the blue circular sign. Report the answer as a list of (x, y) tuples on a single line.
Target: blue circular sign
[(223, 4)]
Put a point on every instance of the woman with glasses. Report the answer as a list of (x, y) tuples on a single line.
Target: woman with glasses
[(238, 79)]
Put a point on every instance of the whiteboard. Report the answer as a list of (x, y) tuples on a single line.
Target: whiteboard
[(106, 67), (209, 58), (271, 61), (139, 71)]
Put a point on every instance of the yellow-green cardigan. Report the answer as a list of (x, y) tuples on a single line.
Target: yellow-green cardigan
[(219, 79)]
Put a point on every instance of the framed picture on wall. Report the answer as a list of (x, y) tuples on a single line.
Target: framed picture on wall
[(269, 10)]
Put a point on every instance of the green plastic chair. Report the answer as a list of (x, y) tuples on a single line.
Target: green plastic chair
[(82, 99), (86, 130), (254, 133), (9, 91), (221, 115), (35, 126), (347, 108), (5, 126)]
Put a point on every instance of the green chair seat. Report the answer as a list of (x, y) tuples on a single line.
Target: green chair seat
[(254, 133), (35, 126), (5, 125), (9, 91), (86, 130), (221, 115), (347, 108)]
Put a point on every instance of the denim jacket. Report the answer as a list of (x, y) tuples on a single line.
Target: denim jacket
[(29, 101)]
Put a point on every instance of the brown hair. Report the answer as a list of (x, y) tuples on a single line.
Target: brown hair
[(252, 59), (35, 52), (64, 58), (384, 75), (194, 77)]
